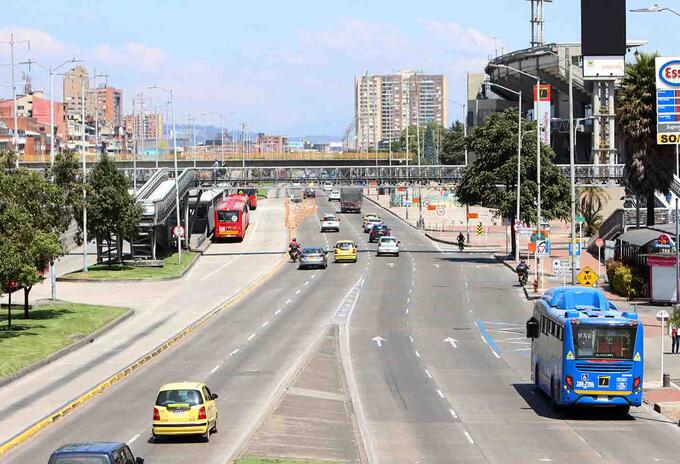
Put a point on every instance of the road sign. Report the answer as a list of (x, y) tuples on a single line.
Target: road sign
[(525, 231), (561, 267), (543, 248), (178, 231), (667, 93), (531, 247), (480, 229), (441, 211), (580, 219), (662, 315), (599, 242), (578, 249), (473, 215), (587, 277)]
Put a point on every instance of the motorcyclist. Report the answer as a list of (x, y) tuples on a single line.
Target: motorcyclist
[(522, 270), (293, 247), (461, 240)]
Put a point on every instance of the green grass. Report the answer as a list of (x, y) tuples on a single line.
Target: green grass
[(51, 327), (276, 461), (105, 272)]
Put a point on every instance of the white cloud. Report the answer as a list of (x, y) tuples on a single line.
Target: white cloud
[(459, 38), (41, 43), (130, 54)]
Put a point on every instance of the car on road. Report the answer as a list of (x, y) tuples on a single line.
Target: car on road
[(378, 231), (94, 453), (313, 257), (327, 186), (334, 195), (369, 216), (388, 246), (309, 193), (185, 408), (370, 222), (330, 222), (346, 250)]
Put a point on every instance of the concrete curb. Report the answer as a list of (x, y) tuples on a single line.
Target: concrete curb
[(474, 247), (391, 212), (68, 349), (130, 281), (135, 365)]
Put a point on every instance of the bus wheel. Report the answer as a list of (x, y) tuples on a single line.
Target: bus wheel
[(623, 410), (553, 397), (536, 383)]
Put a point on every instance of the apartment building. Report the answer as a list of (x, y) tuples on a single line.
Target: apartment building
[(110, 106), (385, 105), (272, 143), (76, 88), (148, 126)]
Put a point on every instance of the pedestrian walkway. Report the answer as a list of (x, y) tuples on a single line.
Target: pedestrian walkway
[(163, 309)]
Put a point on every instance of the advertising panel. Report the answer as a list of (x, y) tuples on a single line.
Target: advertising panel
[(542, 111), (668, 100)]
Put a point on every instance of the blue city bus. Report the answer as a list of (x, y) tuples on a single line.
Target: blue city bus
[(584, 351)]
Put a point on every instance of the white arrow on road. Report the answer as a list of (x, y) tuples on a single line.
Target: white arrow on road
[(378, 340), (390, 264), (452, 341)]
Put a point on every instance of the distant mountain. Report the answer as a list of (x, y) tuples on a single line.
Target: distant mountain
[(316, 138)]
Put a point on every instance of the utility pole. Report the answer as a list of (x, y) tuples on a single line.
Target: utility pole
[(84, 155), (12, 42)]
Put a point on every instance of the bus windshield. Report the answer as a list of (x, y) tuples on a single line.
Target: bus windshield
[(596, 341), (227, 216)]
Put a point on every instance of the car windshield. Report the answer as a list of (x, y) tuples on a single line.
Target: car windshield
[(190, 397), (594, 341), (388, 240), (329, 218), (345, 245), (312, 251), (227, 216), (79, 460)]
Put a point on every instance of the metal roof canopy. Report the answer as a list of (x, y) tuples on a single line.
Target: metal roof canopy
[(642, 236)]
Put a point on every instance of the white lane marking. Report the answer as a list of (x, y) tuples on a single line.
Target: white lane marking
[(410, 337), (437, 266), (307, 283), (495, 354), (288, 300), (417, 354), (410, 290), (469, 437), (132, 440), (313, 276), (251, 336), (234, 352), (484, 340), (453, 413), (214, 369), (406, 310), (408, 300), (297, 291), (210, 274), (429, 376), (265, 324), (441, 395), (277, 312)]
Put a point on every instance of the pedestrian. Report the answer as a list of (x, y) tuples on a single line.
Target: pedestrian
[(676, 339)]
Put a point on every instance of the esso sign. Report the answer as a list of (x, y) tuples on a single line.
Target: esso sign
[(669, 73)]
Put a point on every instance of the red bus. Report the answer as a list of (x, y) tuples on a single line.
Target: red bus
[(252, 196), (232, 218)]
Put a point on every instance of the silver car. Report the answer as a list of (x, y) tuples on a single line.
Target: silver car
[(313, 257), (388, 246)]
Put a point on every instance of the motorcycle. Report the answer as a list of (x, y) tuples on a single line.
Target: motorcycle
[(523, 277), (461, 245), (294, 253)]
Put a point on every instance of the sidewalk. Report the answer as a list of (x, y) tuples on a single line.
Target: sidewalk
[(163, 309)]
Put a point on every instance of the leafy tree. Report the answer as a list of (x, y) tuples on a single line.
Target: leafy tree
[(7, 159), (400, 145), (491, 181), (66, 176), (453, 145), (29, 229), (429, 148), (112, 212), (591, 202), (650, 167)]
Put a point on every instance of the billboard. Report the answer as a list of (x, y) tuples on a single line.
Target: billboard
[(668, 100), (542, 111), (603, 38)]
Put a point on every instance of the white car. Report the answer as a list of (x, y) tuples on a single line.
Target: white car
[(388, 246), (334, 195), (327, 186), (370, 222), (330, 222)]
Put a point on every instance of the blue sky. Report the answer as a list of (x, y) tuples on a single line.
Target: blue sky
[(288, 66)]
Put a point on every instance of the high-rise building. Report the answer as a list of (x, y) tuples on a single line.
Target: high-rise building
[(385, 105), (151, 125), (110, 106), (76, 94)]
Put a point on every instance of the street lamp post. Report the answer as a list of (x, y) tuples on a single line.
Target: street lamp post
[(12, 42), (538, 152), (174, 151), (654, 9), (520, 137)]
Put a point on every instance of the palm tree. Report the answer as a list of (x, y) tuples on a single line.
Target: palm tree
[(592, 200), (648, 167)]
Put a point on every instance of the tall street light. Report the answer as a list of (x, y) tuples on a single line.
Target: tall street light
[(12, 42), (538, 147), (520, 136), (654, 9), (174, 151)]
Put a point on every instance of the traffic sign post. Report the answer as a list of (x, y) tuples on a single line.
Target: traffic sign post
[(599, 243), (578, 249), (587, 277), (543, 248), (480, 229), (662, 316), (178, 231), (441, 211)]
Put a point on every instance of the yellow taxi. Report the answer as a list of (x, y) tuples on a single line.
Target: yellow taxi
[(185, 408), (346, 250)]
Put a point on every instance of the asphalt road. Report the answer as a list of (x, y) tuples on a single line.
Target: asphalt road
[(446, 381)]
